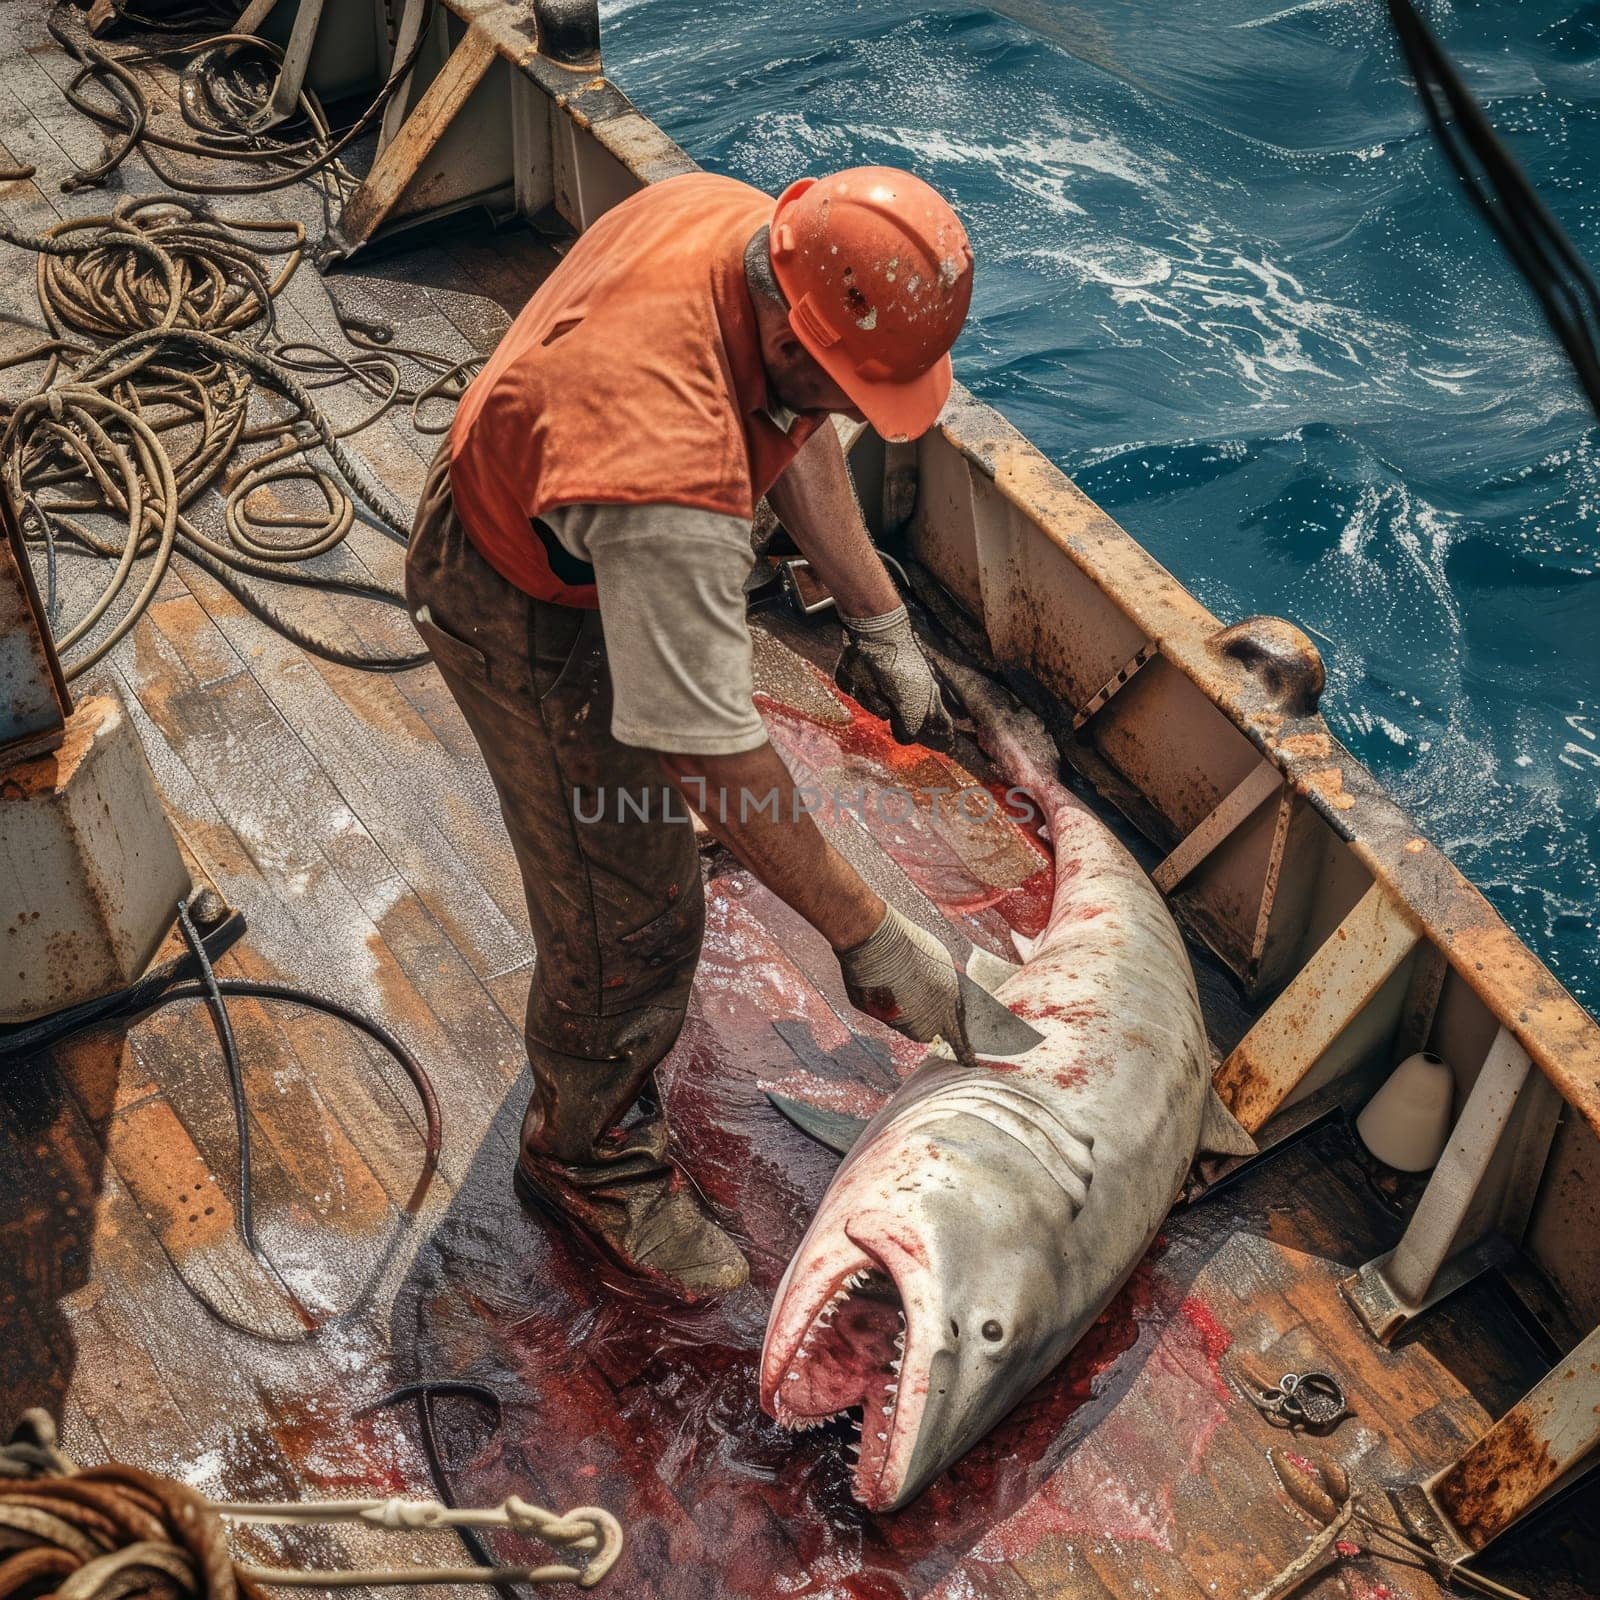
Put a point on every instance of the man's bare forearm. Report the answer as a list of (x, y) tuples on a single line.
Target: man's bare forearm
[(748, 801), (815, 502)]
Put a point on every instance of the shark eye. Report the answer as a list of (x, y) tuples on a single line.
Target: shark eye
[(993, 1332)]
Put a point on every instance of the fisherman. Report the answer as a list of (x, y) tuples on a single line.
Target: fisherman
[(577, 570)]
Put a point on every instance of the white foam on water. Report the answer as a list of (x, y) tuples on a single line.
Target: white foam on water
[(1388, 519), (1304, 8)]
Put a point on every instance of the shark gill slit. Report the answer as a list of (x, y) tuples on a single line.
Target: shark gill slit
[(1066, 1158)]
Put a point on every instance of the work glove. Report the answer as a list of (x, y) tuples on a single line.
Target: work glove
[(903, 976), (883, 667)]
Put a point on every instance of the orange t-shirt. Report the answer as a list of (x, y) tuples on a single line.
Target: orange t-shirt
[(633, 376)]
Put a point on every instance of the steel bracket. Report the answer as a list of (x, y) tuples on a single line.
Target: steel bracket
[(331, 48), (1274, 1058), (1230, 814), (1097, 702), (503, 109), (1385, 1315), (1476, 1206), (1534, 1450)]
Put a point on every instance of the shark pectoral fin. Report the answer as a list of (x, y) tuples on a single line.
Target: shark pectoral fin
[(988, 970), (833, 1130), (1221, 1133)]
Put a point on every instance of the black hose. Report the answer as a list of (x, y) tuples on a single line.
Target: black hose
[(222, 931), (191, 977), (289, 994), (1554, 271), (425, 1392), (244, 1209)]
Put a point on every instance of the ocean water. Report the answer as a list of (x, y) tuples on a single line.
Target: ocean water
[(1226, 280)]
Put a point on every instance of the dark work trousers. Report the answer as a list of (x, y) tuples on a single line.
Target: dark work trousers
[(616, 905)]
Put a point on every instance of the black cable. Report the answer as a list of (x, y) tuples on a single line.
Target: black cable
[(31, 508), (425, 1392), (23, 1039), (244, 1209), (1548, 261), (251, 989), (175, 980)]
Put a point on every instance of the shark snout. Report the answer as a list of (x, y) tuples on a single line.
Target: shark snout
[(967, 1357), (929, 1294), (838, 1344)]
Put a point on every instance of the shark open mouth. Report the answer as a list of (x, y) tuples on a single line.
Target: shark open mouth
[(847, 1362)]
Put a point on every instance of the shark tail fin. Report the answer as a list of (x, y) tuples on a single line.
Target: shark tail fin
[(1221, 1133)]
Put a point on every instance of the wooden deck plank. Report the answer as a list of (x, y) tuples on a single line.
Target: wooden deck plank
[(69, 141), (441, 838), (295, 896)]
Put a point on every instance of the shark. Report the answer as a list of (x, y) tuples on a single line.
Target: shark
[(985, 1216)]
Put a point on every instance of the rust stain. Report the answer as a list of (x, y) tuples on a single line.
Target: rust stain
[(1307, 746), (1329, 783), (104, 1074), (55, 769), (1415, 847), (34, 701), (1497, 1479), (1241, 1085)]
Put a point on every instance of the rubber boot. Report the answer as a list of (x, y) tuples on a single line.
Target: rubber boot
[(594, 1154), (655, 1231)]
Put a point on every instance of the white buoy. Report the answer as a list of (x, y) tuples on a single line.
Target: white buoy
[(1405, 1124)]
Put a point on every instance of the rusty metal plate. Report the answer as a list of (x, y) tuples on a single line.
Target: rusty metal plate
[(33, 695)]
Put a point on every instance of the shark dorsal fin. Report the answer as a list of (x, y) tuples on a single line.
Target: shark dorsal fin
[(988, 970)]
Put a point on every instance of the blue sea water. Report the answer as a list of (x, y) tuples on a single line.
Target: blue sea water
[(1226, 280)]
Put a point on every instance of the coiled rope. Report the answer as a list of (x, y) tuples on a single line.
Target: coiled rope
[(228, 115), (116, 1532), (163, 326)]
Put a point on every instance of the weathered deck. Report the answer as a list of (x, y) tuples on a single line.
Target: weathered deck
[(347, 815)]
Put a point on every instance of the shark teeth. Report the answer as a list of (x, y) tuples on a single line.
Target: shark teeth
[(793, 1422), (874, 1415)]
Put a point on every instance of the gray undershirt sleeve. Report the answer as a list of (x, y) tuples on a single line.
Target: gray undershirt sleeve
[(672, 606)]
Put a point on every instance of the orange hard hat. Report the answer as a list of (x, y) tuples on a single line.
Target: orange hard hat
[(877, 271)]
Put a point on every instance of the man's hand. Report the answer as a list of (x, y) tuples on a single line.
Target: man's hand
[(884, 668), (881, 665), (903, 976)]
